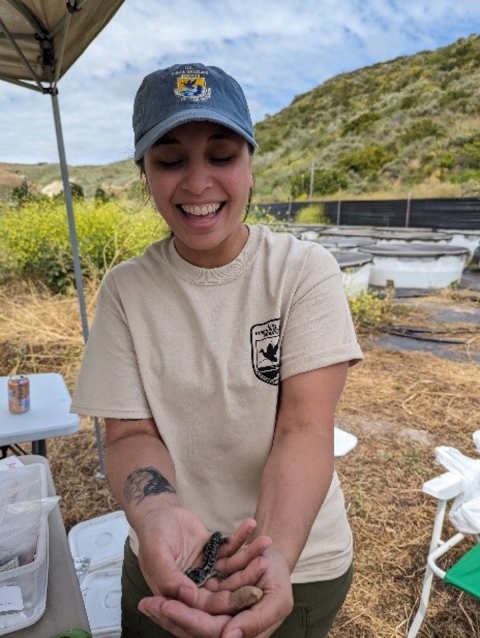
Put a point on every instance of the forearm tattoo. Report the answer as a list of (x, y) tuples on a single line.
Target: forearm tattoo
[(146, 481)]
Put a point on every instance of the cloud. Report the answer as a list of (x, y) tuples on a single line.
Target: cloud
[(275, 50)]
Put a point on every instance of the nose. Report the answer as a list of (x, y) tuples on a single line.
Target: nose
[(197, 177)]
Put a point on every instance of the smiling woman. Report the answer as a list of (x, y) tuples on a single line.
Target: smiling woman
[(217, 359)]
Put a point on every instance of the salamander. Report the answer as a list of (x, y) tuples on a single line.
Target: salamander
[(200, 574)]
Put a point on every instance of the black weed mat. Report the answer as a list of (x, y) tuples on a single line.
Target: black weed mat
[(444, 350), (438, 342)]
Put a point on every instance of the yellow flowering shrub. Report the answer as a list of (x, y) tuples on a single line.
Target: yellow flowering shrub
[(312, 214), (369, 309), (35, 240)]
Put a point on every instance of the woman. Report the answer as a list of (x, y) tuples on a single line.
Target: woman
[(217, 359)]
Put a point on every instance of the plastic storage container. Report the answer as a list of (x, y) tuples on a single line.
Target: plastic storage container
[(101, 591), (97, 547), (23, 549), (30, 581), (100, 540), (22, 483)]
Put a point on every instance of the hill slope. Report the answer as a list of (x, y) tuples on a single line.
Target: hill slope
[(410, 125), (413, 120)]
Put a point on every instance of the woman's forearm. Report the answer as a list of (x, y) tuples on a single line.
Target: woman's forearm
[(299, 469), (140, 470), (295, 481)]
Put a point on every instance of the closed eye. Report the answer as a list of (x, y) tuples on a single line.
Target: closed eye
[(222, 160), (170, 165)]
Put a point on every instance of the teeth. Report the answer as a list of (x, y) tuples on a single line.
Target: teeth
[(201, 210)]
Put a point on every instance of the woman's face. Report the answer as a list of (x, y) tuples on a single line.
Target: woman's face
[(200, 175)]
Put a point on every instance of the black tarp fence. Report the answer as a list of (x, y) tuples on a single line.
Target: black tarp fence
[(458, 213)]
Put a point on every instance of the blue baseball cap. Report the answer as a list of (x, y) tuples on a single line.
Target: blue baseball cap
[(184, 93)]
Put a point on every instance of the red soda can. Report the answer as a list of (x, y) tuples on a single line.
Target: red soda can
[(19, 394)]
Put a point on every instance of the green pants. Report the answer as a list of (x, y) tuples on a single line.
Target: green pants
[(315, 605)]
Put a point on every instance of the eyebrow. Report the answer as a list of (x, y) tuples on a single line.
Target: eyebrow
[(164, 140)]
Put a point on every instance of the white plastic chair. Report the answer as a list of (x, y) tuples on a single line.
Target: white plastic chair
[(344, 442), (465, 573)]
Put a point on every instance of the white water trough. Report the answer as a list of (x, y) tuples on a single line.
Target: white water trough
[(463, 237), (416, 265), (345, 243), (405, 236), (355, 268)]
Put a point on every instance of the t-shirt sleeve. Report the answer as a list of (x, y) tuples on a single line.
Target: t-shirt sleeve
[(318, 330), (109, 383)]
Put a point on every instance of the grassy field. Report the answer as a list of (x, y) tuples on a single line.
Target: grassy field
[(400, 405)]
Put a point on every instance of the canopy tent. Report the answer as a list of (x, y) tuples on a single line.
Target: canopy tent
[(39, 42)]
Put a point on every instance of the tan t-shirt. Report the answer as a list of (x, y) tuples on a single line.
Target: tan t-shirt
[(202, 351)]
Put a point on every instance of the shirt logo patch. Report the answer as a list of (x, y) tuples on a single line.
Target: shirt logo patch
[(265, 342), (193, 88)]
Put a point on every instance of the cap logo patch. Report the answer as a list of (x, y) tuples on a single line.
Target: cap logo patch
[(192, 88)]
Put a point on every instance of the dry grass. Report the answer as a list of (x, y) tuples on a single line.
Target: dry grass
[(400, 405)]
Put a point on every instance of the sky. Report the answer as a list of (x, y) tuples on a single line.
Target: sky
[(276, 49)]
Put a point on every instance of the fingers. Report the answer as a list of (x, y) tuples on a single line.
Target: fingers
[(250, 575), (238, 538), (226, 600), (239, 559), (181, 620), (246, 597), (260, 620), (170, 586)]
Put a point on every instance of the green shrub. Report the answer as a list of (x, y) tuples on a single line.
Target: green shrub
[(368, 309), (367, 160), (258, 215), (408, 102), (470, 175), (448, 160), (312, 214), (422, 128), (35, 241), (325, 182), (360, 124), (469, 156)]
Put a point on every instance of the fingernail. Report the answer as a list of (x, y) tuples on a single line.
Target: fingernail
[(147, 613), (236, 633)]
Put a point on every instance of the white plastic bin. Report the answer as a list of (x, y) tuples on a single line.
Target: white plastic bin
[(31, 580), (100, 539), (97, 546), (23, 550), (101, 591)]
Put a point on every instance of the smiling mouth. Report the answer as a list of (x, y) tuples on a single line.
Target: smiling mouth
[(200, 211)]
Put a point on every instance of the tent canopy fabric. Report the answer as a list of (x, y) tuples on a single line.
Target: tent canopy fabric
[(41, 39)]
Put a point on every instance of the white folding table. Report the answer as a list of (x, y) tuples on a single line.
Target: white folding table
[(48, 417)]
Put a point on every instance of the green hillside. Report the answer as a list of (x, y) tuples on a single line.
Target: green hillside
[(389, 127), (410, 125), (117, 178)]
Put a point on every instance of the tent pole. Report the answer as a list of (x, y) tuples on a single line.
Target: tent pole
[(76, 257), (71, 220)]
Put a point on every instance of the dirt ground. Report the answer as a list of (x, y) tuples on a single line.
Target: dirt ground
[(400, 403)]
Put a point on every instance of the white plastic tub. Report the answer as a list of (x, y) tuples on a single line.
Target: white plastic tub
[(99, 543), (407, 236), (31, 580), (355, 268), (345, 243), (100, 540), (101, 591), (416, 266), (467, 238)]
